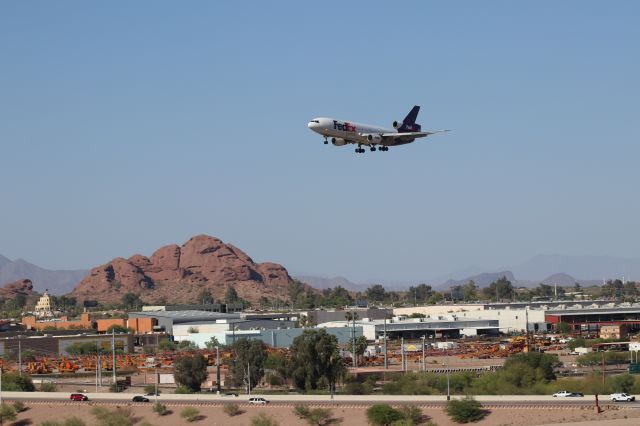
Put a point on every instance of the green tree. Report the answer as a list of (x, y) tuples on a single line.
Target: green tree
[(17, 382), (7, 413), (420, 293), (131, 301), (375, 293), (382, 415), (360, 346), (470, 291), (563, 328), (499, 290), (190, 371), (279, 364), (231, 296), (117, 328), (295, 290), (248, 355), (315, 358), (212, 343), (166, 345), (205, 297), (465, 410), (190, 414)]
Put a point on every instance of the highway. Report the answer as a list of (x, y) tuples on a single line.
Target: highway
[(425, 401)]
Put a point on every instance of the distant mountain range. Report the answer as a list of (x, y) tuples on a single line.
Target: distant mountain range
[(547, 269), (321, 283), (57, 282)]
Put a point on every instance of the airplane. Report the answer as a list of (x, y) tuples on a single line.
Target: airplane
[(344, 132)]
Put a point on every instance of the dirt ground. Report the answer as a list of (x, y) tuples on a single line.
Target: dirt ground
[(37, 412)]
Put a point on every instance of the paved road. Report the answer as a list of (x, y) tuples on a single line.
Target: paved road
[(425, 401)]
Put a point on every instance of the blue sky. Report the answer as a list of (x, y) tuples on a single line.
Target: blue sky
[(126, 126)]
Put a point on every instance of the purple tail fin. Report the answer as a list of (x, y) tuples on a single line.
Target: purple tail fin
[(409, 122)]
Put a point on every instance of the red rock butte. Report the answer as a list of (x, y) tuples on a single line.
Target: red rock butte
[(177, 274)]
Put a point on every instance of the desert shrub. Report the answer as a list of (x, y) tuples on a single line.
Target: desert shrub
[(19, 406), (48, 387), (263, 420), (71, 421), (300, 410), (232, 409), (183, 389), (411, 413), (16, 382), (121, 416), (382, 415), (7, 413), (465, 410), (150, 389), (160, 409), (190, 414)]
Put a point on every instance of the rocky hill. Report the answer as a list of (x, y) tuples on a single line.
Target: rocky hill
[(11, 290), (178, 274)]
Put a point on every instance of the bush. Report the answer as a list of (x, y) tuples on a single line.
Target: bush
[(160, 409), (16, 382), (302, 411), (118, 417), (19, 406), (411, 413), (263, 420), (190, 414), (183, 389), (150, 389), (7, 413), (465, 410), (71, 421), (48, 387), (382, 415), (232, 409)]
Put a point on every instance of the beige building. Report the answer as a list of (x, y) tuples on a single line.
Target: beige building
[(613, 331), (43, 307)]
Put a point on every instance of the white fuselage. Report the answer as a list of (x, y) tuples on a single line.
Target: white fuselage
[(347, 130)]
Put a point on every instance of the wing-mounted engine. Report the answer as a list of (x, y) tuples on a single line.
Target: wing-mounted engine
[(397, 124), (374, 138), (338, 141)]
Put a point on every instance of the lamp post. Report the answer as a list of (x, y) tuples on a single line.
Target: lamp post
[(218, 368), (424, 362), (446, 364)]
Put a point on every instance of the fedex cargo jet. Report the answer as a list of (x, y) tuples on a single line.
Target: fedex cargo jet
[(344, 132)]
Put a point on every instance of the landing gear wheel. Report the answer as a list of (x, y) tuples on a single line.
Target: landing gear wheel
[(373, 148), (326, 142)]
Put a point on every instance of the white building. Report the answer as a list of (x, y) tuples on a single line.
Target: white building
[(43, 307)]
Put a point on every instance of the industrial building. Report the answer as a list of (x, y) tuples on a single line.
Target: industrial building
[(57, 345), (414, 328)]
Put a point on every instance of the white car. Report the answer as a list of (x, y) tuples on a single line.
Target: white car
[(564, 394), (258, 401), (622, 397)]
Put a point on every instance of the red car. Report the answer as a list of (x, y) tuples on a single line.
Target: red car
[(79, 397)]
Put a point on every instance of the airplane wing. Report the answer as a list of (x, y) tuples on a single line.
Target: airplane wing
[(405, 136)]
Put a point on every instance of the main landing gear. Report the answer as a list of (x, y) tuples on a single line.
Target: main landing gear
[(326, 141), (360, 150)]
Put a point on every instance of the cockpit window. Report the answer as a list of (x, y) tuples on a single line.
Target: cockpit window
[(315, 121)]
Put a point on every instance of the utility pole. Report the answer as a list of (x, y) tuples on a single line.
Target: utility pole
[(402, 354), (448, 388), (249, 378), (19, 355), (384, 332), (424, 362), (355, 361), (218, 368), (113, 352)]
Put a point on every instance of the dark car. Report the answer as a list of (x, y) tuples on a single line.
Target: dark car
[(152, 394), (140, 399), (78, 397), (578, 394)]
